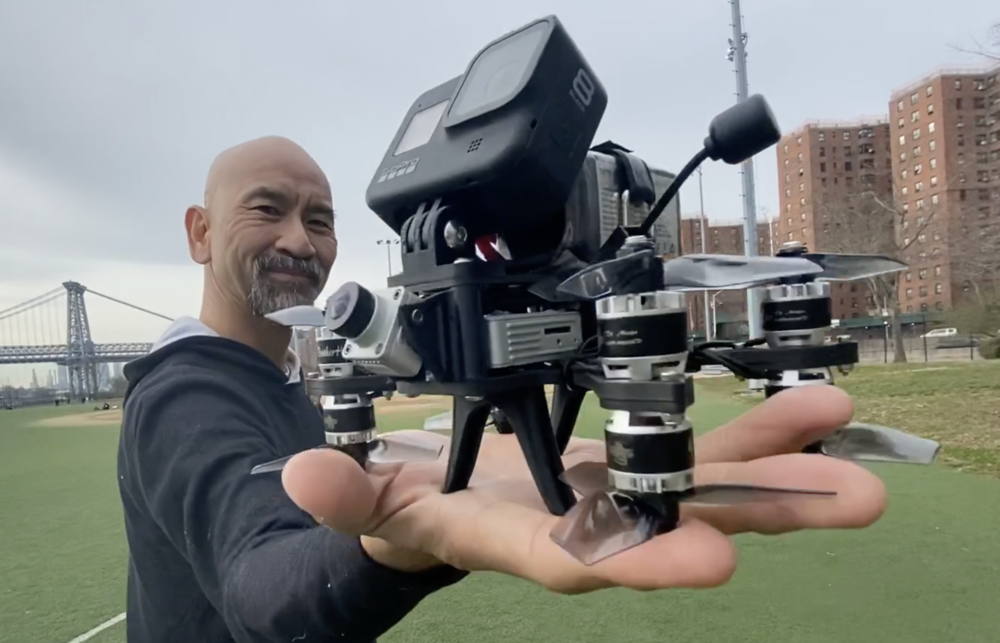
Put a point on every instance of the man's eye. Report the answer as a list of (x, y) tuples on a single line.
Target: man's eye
[(322, 223), (269, 210)]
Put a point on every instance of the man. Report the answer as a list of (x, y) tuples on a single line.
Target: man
[(327, 551)]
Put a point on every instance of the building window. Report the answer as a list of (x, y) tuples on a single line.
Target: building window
[(899, 106), (932, 145), (916, 134), (802, 187), (930, 108), (847, 136), (918, 168), (937, 271), (938, 306), (822, 151), (900, 122), (920, 204), (914, 116), (799, 140), (786, 162), (909, 293), (938, 288), (914, 97), (933, 181), (923, 291), (930, 127), (933, 163), (822, 167), (847, 166), (920, 239), (934, 199), (922, 274), (803, 216), (958, 83), (930, 90), (902, 174), (786, 149), (918, 186), (902, 139), (909, 276), (822, 136), (800, 157)]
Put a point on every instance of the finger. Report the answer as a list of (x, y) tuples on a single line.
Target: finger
[(332, 488), (860, 499), (784, 423)]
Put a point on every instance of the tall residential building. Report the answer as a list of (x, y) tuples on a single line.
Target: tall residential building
[(823, 166), (730, 307), (946, 156)]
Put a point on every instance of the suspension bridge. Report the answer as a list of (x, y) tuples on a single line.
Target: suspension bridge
[(32, 332)]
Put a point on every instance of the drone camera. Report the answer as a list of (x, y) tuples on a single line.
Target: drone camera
[(504, 142), (368, 321)]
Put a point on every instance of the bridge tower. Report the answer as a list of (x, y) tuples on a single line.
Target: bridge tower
[(80, 360)]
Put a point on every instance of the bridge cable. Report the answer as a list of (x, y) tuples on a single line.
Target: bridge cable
[(125, 303)]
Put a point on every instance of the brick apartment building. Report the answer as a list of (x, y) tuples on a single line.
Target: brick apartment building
[(822, 165), (935, 163), (730, 306), (946, 159)]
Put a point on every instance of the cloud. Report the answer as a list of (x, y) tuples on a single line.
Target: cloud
[(112, 110)]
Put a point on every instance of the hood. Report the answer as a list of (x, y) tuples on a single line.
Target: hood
[(189, 334)]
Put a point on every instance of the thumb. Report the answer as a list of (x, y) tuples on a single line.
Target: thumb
[(332, 488)]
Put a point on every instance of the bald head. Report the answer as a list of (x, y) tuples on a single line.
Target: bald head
[(265, 233), (240, 162)]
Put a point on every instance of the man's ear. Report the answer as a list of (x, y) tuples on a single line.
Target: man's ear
[(198, 234)]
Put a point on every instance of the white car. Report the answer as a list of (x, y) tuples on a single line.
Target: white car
[(941, 332)]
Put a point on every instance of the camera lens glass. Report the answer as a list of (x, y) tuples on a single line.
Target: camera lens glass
[(351, 310)]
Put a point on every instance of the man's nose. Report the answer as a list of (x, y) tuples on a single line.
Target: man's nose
[(294, 239)]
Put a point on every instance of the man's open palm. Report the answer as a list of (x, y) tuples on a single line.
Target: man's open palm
[(500, 523)]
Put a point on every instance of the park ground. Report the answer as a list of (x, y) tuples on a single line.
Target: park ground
[(928, 571)]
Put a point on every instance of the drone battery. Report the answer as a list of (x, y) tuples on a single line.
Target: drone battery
[(516, 339), (598, 205)]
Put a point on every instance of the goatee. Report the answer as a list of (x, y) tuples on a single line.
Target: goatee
[(268, 295)]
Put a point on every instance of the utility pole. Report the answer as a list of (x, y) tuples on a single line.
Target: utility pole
[(388, 250), (709, 327), (738, 54)]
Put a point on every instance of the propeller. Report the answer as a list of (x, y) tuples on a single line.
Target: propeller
[(299, 316), (873, 443), (688, 272), (396, 450), (607, 522), (849, 267)]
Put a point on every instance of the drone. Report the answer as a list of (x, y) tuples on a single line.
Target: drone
[(797, 315), (532, 259)]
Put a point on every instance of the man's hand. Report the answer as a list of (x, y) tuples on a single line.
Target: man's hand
[(500, 523)]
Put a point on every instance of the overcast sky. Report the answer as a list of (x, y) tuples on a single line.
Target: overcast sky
[(112, 110)]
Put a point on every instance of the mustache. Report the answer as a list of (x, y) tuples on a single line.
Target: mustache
[(309, 268)]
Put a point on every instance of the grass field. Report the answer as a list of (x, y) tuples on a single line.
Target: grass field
[(928, 571)]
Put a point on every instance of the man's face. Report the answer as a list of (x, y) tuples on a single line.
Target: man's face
[(271, 233)]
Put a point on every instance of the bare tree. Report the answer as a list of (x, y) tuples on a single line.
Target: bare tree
[(975, 259), (990, 50), (868, 217)]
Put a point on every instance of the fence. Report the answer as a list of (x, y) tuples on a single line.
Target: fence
[(876, 346)]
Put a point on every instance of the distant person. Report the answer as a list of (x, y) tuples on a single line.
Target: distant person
[(216, 554)]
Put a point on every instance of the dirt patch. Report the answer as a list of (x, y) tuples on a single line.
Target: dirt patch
[(78, 419)]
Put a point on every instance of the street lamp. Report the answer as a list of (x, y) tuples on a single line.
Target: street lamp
[(388, 251)]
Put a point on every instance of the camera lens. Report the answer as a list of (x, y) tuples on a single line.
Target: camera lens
[(351, 310)]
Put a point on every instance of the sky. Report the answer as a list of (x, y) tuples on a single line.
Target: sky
[(112, 110)]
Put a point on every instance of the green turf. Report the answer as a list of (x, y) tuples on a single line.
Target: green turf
[(927, 572)]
